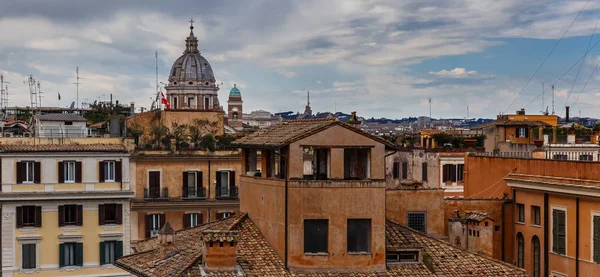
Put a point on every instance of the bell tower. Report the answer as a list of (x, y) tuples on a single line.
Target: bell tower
[(234, 108)]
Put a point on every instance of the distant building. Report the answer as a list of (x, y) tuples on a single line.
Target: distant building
[(60, 125), (260, 119), (234, 109)]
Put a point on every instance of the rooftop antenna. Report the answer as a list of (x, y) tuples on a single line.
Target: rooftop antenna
[(429, 99), (39, 89), (32, 83), (77, 83), (156, 62), (3, 93), (553, 99), (308, 98), (467, 111), (543, 97)]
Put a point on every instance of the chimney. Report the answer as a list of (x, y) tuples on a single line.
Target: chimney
[(131, 108), (166, 236), (567, 113), (219, 250), (353, 121), (521, 112)]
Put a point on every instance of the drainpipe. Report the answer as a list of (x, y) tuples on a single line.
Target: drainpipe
[(576, 232), (514, 205), (546, 250), (286, 232), (209, 184), (502, 237)]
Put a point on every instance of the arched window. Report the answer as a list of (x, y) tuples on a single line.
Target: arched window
[(520, 251), (235, 115), (535, 243)]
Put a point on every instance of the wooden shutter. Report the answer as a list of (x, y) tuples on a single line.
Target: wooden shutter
[(424, 171), (102, 253), (119, 249), (404, 170), (37, 171), (118, 171), (101, 171), (200, 219), (199, 183), (61, 172), (184, 189), (396, 170), (163, 220), (148, 225), (119, 215), (231, 182), (555, 231), (78, 168), (19, 217), (186, 220), (526, 132), (61, 216), (101, 214), (38, 216), (20, 172), (596, 237), (79, 254), (218, 185), (79, 215), (561, 232), (452, 171), (61, 254)]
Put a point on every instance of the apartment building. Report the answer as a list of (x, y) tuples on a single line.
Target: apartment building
[(65, 206)]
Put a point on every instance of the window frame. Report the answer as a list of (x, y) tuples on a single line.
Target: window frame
[(193, 219), (34, 256), (536, 256), (536, 215), (70, 208), (460, 170), (226, 184), (73, 247), (28, 224), (67, 170), (310, 236), (28, 168), (520, 250), (520, 213), (596, 260), (408, 221), (404, 170), (358, 221), (108, 172), (396, 170), (424, 172), (108, 211), (107, 254), (562, 209)]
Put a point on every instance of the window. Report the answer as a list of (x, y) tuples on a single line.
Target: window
[(359, 235), (153, 184), (235, 115), (192, 220), (109, 171), (520, 213), (70, 215), (449, 173), (28, 172), (110, 251), (402, 257), (417, 221), (71, 254), (460, 168), (562, 157), (316, 235), (153, 224), (535, 215), (522, 132), (558, 231), (520, 251), (404, 170), (29, 256), (586, 157), (396, 170), (192, 184), (175, 102), (596, 238), (356, 163), (206, 103), (224, 215), (69, 171), (190, 101), (110, 214), (29, 216), (535, 242), (226, 184), (424, 172)]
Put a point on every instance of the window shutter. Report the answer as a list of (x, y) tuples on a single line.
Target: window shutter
[(148, 225), (61, 172), (79, 254), (424, 171), (186, 220), (162, 221), (61, 254), (102, 261), (78, 172), (101, 171), (37, 170), (118, 171), (561, 232), (231, 182), (554, 231), (119, 216), (218, 185), (119, 249), (452, 172), (184, 189), (38, 216), (101, 214), (20, 172), (596, 239), (526, 132), (199, 183), (200, 219), (79, 215), (61, 216), (19, 217)]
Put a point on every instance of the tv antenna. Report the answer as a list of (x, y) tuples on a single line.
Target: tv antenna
[(429, 99), (3, 93), (553, 100), (77, 83), (33, 91)]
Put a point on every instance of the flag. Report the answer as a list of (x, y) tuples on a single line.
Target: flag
[(164, 101), (59, 96)]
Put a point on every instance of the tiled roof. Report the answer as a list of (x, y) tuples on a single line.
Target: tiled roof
[(61, 117), (477, 216), (573, 182), (71, 147), (288, 131), (256, 257), (505, 122)]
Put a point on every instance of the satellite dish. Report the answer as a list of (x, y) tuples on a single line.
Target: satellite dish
[(72, 105)]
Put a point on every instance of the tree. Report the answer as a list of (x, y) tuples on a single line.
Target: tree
[(180, 132), (135, 130), (224, 141), (208, 142), (159, 132)]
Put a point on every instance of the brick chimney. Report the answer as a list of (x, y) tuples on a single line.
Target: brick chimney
[(353, 121), (219, 250), (166, 236)]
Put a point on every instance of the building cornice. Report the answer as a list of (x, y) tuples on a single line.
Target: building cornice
[(142, 205), (561, 188), (79, 195)]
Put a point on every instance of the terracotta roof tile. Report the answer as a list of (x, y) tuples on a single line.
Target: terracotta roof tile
[(477, 216), (71, 147), (595, 184), (505, 122), (61, 117)]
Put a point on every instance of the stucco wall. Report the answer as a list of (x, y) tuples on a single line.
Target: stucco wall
[(431, 201), (415, 159)]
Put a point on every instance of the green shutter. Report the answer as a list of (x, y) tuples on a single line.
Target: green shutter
[(102, 253), (61, 255), (79, 254), (597, 239), (555, 231), (119, 249)]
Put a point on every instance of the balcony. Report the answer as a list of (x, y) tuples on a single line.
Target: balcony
[(191, 193), (162, 194), (230, 193)]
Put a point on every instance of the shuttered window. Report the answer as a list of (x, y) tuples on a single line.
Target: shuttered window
[(535, 242), (110, 251), (520, 251), (396, 170), (449, 173), (28, 172), (359, 235), (71, 254), (29, 216), (316, 235), (70, 215), (404, 170), (192, 220), (520, 213), (110, 214), (596, 238), (29, 256), (460, 169), (558, 231), (109, 171), (424, 171), (535, 215)]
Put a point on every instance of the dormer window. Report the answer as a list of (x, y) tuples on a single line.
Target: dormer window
[(402, 256)]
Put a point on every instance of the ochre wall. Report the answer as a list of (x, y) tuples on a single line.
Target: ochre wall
[(550, 119), (528, 229), (339, 137), (399, 202)]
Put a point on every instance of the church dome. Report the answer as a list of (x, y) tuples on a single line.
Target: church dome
[(235, 92), (191, 68)]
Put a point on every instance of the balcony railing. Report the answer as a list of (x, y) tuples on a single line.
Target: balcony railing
[(230, 193), (190, 193), (156, 194)]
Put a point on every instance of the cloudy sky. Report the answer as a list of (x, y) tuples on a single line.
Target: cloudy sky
[(380, 58)]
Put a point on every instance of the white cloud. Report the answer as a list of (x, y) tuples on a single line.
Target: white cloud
[(286, 73), (457, 72)]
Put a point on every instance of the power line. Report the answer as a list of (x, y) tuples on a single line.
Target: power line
[(586, 83), (547, 56)]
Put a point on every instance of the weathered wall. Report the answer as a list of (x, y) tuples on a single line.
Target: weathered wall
[(482, 234), (415, 159), (431, 201), (458, 234)]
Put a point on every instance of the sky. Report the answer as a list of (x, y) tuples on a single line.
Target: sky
[(380, 58)]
